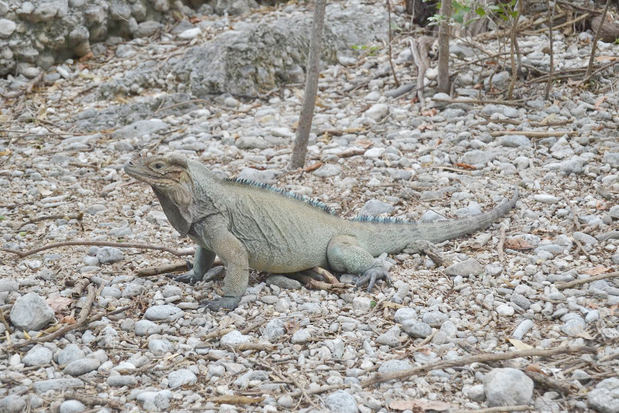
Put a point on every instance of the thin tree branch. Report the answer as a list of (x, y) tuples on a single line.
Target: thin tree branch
[(395, 77), (594, 45), (478, 358), (570, 284), (551, 12), (498, 409), (177, 252), (82, 321)]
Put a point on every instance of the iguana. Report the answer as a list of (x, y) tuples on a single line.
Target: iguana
[(252, 226)]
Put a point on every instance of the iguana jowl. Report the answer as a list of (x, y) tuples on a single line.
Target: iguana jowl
[(249, 226)]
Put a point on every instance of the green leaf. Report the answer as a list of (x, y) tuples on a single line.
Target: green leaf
[(2, 218), (481, 12), (373, 304)]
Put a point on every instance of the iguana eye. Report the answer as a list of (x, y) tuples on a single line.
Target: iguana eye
[(158, 165)]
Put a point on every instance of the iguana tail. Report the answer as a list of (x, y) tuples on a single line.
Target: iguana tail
[(377, 236), (444, 230)]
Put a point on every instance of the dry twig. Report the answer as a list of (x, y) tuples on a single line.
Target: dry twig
[(478, 358), (548, 382), (517, 408), (161, 269), (551, 12), (395, 77), (236, 400), (82, 321), (501, 245), (177, 252), (589, 71), (570, 284), (533, 134), (518, 102), (78, 217)]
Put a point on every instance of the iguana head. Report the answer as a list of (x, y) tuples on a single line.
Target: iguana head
[(167, 175)]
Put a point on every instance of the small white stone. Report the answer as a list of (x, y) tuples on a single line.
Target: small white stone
[(189, 33)]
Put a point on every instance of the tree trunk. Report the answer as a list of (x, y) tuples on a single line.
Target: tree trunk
[(299, 150), (443, 47)]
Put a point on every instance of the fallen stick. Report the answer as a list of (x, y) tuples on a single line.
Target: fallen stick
[(22, 254), (533, 134), (518, 408), (161, 269), (574, 283), (66, 329), (478, 358), (236, 400), (518, 102), (549, 382), (252, 346)]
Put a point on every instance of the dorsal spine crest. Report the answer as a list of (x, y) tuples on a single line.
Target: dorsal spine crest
[(287, 194)]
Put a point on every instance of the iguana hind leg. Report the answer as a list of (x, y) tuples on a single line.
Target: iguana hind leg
[(346, 255), (202, 262)]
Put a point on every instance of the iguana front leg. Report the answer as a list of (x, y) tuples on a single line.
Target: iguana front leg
[(202, 262), (214, 234), (346, 255)]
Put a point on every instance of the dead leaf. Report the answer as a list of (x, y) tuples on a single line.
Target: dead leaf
[(422, 405), (535, 368), (312, 167), (605, 58), (430, 112), (597, 270), (464, 166), (59, 303), (517, 244), (599, 102), (519, 344), (5, 152), (68, 320), (364, 143)]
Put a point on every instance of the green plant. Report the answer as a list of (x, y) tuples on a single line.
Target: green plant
[(505, 10), (371, 50)]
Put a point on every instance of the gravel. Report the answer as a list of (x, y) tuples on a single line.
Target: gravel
[(369, 153)]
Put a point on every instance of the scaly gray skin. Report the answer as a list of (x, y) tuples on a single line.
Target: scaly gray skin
[(248, 226)]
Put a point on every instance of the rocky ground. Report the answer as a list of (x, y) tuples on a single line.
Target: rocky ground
[(542, 278)]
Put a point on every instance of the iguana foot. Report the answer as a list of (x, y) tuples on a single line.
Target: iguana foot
[(189, 277), (372, 275), (222, 303)]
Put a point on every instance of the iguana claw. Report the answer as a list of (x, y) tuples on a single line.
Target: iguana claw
[(222, 303), (371, 276), (189, 277)]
